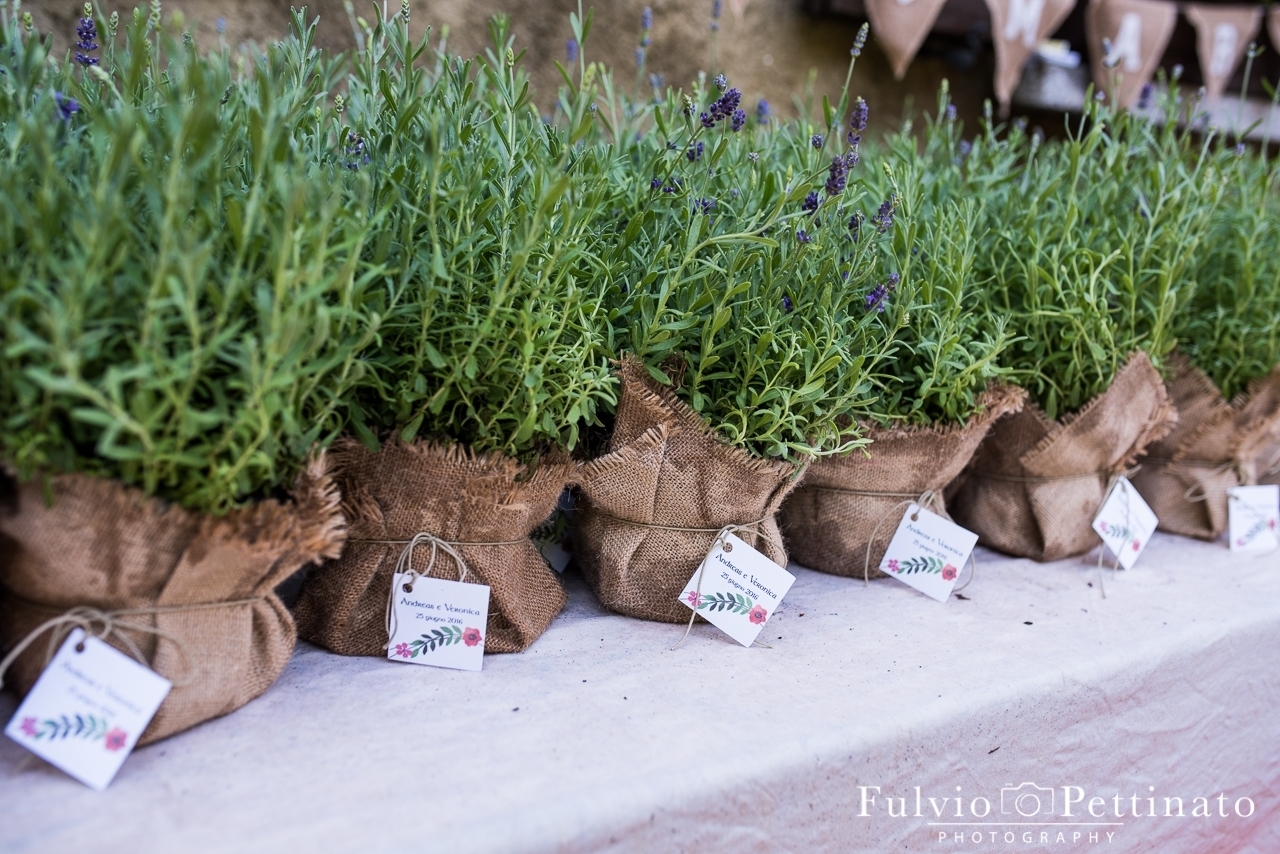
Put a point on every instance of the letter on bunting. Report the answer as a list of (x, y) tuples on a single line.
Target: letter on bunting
[(1017, 27), (900, 27), (1223, 34), (1139, 31)]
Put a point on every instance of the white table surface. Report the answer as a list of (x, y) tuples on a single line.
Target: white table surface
[(601, 737)]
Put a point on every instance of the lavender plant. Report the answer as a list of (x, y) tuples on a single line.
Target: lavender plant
[(183, 300)]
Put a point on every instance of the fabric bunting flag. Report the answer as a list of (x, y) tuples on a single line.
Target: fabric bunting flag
[(1138, 32), (900, 27), (1223, 34), (1017, 27)]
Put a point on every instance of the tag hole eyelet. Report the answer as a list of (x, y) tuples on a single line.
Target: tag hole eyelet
[(728, 547), (408, 588), (80, 647), (915, 517)]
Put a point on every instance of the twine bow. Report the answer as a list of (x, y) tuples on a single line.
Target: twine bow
[(405, 565), (102, 625)]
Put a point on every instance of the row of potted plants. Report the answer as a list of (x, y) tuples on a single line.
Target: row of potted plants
[(288, 308)]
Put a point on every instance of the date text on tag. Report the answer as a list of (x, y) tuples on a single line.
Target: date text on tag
[(437, 622), (1253, 513), (739, 590), (87, 709), (928, 552), (1125, 522)]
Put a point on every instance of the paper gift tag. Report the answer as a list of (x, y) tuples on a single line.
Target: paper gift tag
[(1125, 522), (87, 709), (438, 622), (927, 552), (739, 591), (1253, 513)]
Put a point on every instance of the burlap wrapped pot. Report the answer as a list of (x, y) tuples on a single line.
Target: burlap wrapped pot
[(204, 585), (484, 505), (652, 506), (1034, 485), (1216, 445), (846, 503)]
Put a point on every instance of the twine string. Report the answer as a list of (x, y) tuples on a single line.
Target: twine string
[(404, 565), (928, 499), (101, 624)]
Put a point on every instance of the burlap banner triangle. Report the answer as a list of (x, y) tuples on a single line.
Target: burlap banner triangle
[(1223, 34), (1138, 32), (1017, 27), (900, 27)]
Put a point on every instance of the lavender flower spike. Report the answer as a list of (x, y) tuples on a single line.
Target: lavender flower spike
[(87, 32), (571, 50)]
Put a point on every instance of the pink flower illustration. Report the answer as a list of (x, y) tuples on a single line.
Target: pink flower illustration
[(1137, 546), (471, 637), (948, 572), (29, 727), (758, 615), (116, 739), (402, 650), (892, 566), (694, 599), (1271, 523)]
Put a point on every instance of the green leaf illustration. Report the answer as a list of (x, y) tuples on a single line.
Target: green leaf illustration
[(88, 727), (735, 602), (444, 636), (920, 564)]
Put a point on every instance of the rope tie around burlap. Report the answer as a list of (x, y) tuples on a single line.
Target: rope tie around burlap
[(1195, 492), (104, 624), (720, 539), (404, 564)]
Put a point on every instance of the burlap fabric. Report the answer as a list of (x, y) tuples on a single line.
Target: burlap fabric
[(390, 495), (665, 469), (844, 502), (1216, 445), (1035, 485), (107, 546)]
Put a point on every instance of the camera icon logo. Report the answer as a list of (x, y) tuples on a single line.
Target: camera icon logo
[(1027, 800)]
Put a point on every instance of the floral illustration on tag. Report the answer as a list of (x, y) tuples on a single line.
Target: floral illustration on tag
[(758, 615), (441, 637), (87, 727), (930, 564), (1120, 532), (1258, 528)]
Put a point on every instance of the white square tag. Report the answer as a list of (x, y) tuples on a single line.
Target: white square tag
[(1253, 513), (438, 622), (927, 552), (1125, 522), (739, 591), (87, 709)]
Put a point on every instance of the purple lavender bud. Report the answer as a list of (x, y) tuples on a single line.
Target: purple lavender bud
[(571, 50), (965, 147), (883, 220), (357, 156), (655, 184), (787, 305), (734, 193), (859, 41), (802, 236), (753, 156), (858, 118), (707, 121), (951, 112), (67, 107), (721, 82), (810, 203), (639, 57), (704, 206), (87, 32), (1144, 96), (762, 111), (1239, 149), (694, 152), (656, 81), (837, 175), (715, 26), (220, 26), (739, 119), (855, 224), (717, 6), (851, 158), (816, 141), (646, 19)]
